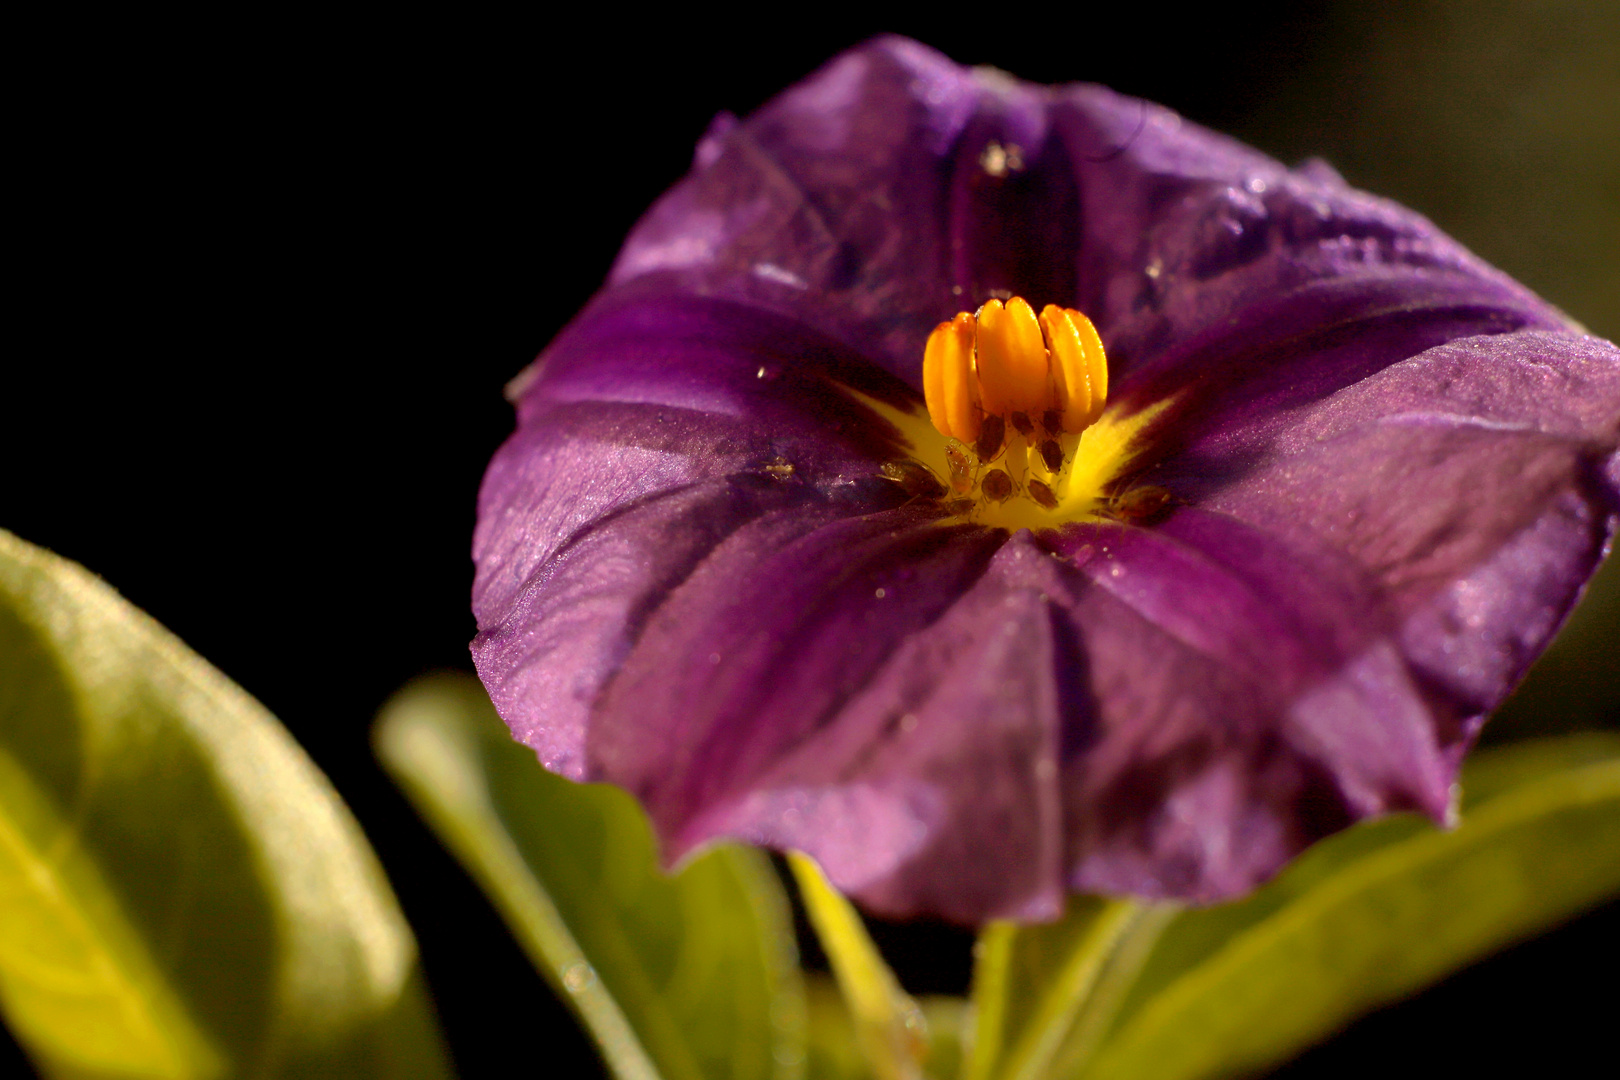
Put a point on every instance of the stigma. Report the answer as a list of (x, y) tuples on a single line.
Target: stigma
[(1012, 393)]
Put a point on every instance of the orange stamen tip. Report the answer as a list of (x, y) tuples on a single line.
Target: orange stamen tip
[(1079, 368), (950, 388), (1011, 356), (1003, 361)]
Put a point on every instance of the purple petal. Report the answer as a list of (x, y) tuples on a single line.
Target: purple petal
[(656, 432), (1247, 700), (1392, 471), (862, 202), (765, 644), (936, 787), (1467, 480)]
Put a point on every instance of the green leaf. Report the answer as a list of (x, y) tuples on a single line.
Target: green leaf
[(182, 893), (1041, 992), (835, 1049), (1371, 915), (947, 1019), (685, 977), (889, 1027)]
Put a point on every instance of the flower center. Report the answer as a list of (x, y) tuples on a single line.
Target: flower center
[(1019, 401), (1012, 394), (1003, 368), (1017, 434)]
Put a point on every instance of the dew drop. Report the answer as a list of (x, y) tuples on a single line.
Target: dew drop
[(578, 977), (1232, 233), (881, 593), (785, 1018), (998, 160), (908, 722)]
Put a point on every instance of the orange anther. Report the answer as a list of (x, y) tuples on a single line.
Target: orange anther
[(1096, 365), (1007, 365), (950, 388), (1071, 386), (1079, 368), (1011, 358)]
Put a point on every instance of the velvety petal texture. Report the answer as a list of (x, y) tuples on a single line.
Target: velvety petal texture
[(1391, 469)]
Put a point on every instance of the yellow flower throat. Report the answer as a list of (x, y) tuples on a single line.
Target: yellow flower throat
[(1017, 433)]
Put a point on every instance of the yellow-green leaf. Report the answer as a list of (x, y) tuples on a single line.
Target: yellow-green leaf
[(889, 1027), (686, 977), (1372, 915), (182, 893), (835, 1047), (1042, 992)]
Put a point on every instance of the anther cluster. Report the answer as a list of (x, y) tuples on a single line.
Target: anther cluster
[(1013, 390)]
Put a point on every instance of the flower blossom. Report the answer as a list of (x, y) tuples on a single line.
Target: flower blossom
[(1346, 483)]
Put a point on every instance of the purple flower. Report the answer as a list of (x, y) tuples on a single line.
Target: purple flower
[(1349, 482)]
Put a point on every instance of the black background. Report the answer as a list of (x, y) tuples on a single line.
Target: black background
[(270, 275)]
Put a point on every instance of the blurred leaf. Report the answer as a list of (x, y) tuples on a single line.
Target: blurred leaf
[(889, 1027), (1371, 915), (685, 977), (947, 1019), (834, 1051), (1040, 989), (1497, 771), (182, 893)]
